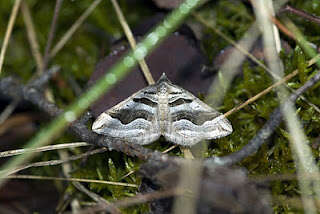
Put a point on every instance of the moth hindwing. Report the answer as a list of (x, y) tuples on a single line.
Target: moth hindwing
[(162, 109)]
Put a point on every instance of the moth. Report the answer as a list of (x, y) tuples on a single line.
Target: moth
[(162, 109)]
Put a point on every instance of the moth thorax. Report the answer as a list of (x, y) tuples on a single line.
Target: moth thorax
[(163, 90)]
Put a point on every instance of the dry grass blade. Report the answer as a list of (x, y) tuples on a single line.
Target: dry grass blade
[(138, 199), (282, 177), (42, 149), (304, 150), (56, 162), (8, 32), (229, 40), (132, 42), (128, 174), (169, 149), (35, 177), (302, 153), (51, 35), (229, 68), (294, 202), (262, 93), (5, 114), (111, 208), (32, 37), (282, 28), (65, 38), (35, 52), (66, 169), (190, 181)]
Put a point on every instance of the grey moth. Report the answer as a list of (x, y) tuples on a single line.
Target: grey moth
[(162, 109)]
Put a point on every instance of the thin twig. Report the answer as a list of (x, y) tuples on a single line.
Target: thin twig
[(132, 42), (8, 31), (282, 28), (169, 149), (110, 207), (36, 177), (128, 174), (43, 149), (65, 38), (301, 13), (32, 37), (262, 93), (57, 162), (66, 170), (138, 199), (163, 152), (75, 205), (283, 177), (51, 35), (40, 82), (5, 114)]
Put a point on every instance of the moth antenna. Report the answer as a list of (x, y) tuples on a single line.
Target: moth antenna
[(163, 78)]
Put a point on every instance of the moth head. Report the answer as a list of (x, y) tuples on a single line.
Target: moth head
[(163, 78), (164, 86), (159, 87)]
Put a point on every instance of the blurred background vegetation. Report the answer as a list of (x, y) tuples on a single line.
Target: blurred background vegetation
[(93, 40)]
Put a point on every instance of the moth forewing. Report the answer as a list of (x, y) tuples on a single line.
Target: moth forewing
[(162, 109), (129, 120)]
